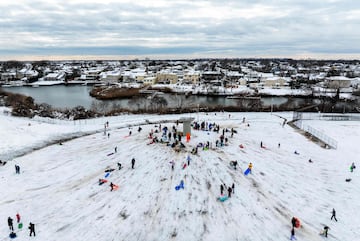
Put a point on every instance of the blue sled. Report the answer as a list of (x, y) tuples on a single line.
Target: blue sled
[(223, 198), (180, 186), (247, 171), (107, 174)]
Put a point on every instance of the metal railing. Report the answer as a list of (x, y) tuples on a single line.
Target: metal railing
[(325, 116), (317, 133)]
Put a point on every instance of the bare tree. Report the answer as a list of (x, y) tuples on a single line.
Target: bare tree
[(157, 103), (137, 101)]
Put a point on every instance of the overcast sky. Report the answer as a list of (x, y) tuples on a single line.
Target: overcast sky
[(180, 28)]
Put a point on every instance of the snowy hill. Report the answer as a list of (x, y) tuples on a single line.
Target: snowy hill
[(58, 189)]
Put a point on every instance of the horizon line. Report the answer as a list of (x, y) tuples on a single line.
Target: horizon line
[(173, 57)]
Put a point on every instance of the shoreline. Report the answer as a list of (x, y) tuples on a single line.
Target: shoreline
[(195, 91)]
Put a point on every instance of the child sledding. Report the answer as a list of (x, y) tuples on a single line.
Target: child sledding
[(248, 170), (102, 181)]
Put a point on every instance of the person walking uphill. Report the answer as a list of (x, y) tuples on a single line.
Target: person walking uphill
[(133, 163), (10, 223), (32, 229), (333, 215)]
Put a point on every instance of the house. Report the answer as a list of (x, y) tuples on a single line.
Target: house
[(57, 76), (335, 82), (191, 77), (110, 76), (208, 76), (149, 80), (8, 76), (166, 77), (275, 81)]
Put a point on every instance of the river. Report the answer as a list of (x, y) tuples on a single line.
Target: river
[(61, 96)]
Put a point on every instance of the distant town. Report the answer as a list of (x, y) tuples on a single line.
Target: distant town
[(224, 77)]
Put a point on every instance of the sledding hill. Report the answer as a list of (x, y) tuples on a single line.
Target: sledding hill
[(58, 186)]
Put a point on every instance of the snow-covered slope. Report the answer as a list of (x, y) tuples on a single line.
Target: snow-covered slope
[(58, 186)]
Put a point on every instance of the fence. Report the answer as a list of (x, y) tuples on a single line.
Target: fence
[(325, 116), (318, 134)]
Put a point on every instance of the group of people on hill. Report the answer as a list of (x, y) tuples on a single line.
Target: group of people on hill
[(11, 226), (112, 185), (230, 189)]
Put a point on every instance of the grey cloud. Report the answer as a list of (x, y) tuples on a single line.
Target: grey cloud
[(314, 26)]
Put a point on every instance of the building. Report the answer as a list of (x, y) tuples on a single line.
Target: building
[(191, 77), (57, 76), (166, 77)]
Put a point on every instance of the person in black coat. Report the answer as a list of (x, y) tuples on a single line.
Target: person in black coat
[(229, 191), (17, 169), (293, 222), (133, 163), (10, 223), (333, 215), (326, 229), (32, 229), (221, 189), (292, 237)]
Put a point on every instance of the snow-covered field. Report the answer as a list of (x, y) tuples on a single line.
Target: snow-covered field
[(58, 189)]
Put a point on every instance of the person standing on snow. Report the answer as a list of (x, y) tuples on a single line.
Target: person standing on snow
[(235, 164), (133, 163), (221, 189), (229, 191), (32, 228), (18, 218), (17, 169), (333, 215), (111, 186), (250, 166), (325, 232), (10, 223), (352, 167), (233, 188), (172, 163), (293, 222), (292, 237)]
